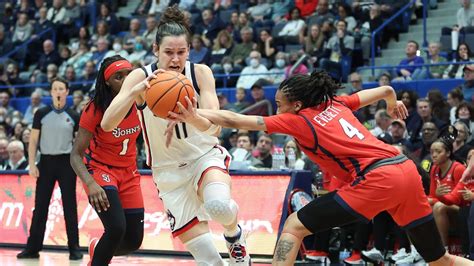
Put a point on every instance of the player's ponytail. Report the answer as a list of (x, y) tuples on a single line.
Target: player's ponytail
[(311, 90), (172, 23)]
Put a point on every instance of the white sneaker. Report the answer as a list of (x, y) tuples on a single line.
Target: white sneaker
[(412, 258), (238, 254), (401, 253), (374, 255)]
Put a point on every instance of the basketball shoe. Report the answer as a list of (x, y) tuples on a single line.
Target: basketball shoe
[(92, 245), (355, 258), (238, 254)]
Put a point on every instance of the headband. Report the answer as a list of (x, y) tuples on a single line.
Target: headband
[(116, 66)]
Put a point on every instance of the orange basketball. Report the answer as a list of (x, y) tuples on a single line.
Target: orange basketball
[(166, 90)]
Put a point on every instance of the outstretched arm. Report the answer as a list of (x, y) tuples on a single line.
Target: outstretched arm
[(233, 120), (395, 108)]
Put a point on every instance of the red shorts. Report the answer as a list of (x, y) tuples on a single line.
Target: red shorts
[(396, 188), (125, 180)]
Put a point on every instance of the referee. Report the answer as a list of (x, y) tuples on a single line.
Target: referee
[(53, 127)]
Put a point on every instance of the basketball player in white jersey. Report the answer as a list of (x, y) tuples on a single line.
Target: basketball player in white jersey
[(191, 173)]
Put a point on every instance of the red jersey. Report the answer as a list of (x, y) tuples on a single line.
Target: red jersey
[(451, 179), (333, 138), (116, 148)]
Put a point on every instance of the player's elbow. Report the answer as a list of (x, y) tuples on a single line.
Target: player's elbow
[(107, 127), (388, 90)]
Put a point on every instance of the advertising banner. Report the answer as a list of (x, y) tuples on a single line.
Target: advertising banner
[(260, 200)]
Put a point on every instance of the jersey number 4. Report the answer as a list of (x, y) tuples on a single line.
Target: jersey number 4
[(350, 130)]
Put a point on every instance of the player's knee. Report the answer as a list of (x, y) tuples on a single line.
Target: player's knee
[(295, 227), (222, 211), (203, 250), (116, 230)]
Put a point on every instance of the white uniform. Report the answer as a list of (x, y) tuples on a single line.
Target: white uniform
[(177, 169)]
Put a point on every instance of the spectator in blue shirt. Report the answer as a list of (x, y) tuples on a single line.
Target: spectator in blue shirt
[(199, 54), (468, 86), (406, 70)]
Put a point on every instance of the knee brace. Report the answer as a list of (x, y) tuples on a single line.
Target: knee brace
[(203, 250), (218, 203)]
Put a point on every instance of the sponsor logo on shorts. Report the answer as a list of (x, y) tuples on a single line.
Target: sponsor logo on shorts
[(171, 219), (106, 177)]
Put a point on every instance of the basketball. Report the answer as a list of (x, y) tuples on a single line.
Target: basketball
[(166, 90)]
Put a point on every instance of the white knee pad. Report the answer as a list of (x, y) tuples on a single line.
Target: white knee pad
[(203, 250), (218, 203)]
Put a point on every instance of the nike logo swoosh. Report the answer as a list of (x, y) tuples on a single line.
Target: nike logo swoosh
[(117, 65)]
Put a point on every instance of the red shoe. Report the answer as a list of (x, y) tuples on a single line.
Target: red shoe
[(92, 245), (355, 258), (318, 255)]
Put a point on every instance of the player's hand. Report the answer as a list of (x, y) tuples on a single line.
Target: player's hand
[(186, 115), (442, 190), (468, 173), (145, 84), (398, 111), (169, 132), (33, 171), (97, 197), (467, 195)]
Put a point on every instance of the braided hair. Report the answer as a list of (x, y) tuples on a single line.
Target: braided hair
[(446, 137), (103, 95), (311, 90), (172, 23)]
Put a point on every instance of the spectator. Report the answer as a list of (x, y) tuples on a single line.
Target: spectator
[(51, 72), (292, 29), (77, 98), (242, 50), (463, 54), (424, 111), (42, 24), (143, 7), (57, 12), (49, 56), (341, 44), (25, 139), (291, 69), (240, 102), (3, 150), (13, 78), (102, 31), (218, 5), (88, 76), (384, 79), (398, 131), (280, 9), (464, 16), (132, 35), (84, 37), (209, 27), (355, 79), (245, 144), (158, 7), (16, 156), (70, 76), (25, 7), (291, 145), (463, 113), (117, 49), (258, 95), (6, 44), (440, 108), (454, 98), (5, 103), (322, 15), (78, 60), (259, 11), (223, 46), (68, 27), (429, 133), (102, 49), (223, 101), (227, 68), (109, 18), (405, 70), (253, 72), (199, 54), (409, 99), (313, 43), (366, 29), (467, 87), (345, 13), (462, 143), (35, 104), (277, 73), (436, 72), (263, 149), (137, 56), (382, 121), (23, 29), (150, 32), (266, 47)]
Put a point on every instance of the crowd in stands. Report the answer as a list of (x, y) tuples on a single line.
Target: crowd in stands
[(258, 41)]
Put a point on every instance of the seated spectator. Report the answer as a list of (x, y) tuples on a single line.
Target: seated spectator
[(102, 31), (263, 151), (456, 70), (158, 6), (12, 78), (291, 145), (462, 143), (384, 79), (199, 54), (67, 27), (465, 19), (57, 12), (454, 98), (137, 57), (35, 104), (382, 121), (313, 42), (291, 70), (467, 87), (253, 72), (258, 95), (409, 99), (240, 102), (259, 11), (341, 44), (23, 29), (41, 25), (355, 79), (429, 134), (16, 156), (322, 15), (102, 49), (218, 5), (77, 98), (244, 142), (345, 13), (405, 70), (6, 44), (143, 7), (131, 36), (464, 114), (3, 150), (435, 72), (226, 68), (51, 73), (223, 101), (398, 132), (242, 50), (277, 73), (117, 49), (244, 21), (280, 9), (439, 107), (414, 127), (70, 76), (150, 32), (83, 37), (223, 46), (88, 76), (292, 29), (49, 56), (209, 27), (364, 31), (26, 8), (109, 18), (266, 47), (79, 59)]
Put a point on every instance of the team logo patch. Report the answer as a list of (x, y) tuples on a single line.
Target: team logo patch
[(171, 219), (106, 177)]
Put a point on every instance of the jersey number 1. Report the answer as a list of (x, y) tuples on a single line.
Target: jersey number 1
[(350, 130), (124, 147)]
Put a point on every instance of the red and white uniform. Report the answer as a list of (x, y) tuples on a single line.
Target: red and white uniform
[(451, 179), (332, 137), (111, 156)]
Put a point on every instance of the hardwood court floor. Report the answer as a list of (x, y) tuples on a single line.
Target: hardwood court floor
[(58, 258)]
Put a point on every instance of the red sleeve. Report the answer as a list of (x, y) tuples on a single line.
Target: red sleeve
[(457, 173), (433, 186), (286, 123), (453, 198), (90, 119), (351, 101)]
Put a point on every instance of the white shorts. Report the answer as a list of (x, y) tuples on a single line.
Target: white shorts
[(178, 188)]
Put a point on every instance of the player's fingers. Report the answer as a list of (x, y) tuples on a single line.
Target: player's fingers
[(95, 203), (103, 201), (190, 104), (182, 110), (195, 102), (405, 111)]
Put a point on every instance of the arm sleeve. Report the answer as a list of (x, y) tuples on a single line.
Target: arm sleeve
[(453, 198), (39, 114), (90, 119), (352, 101)]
